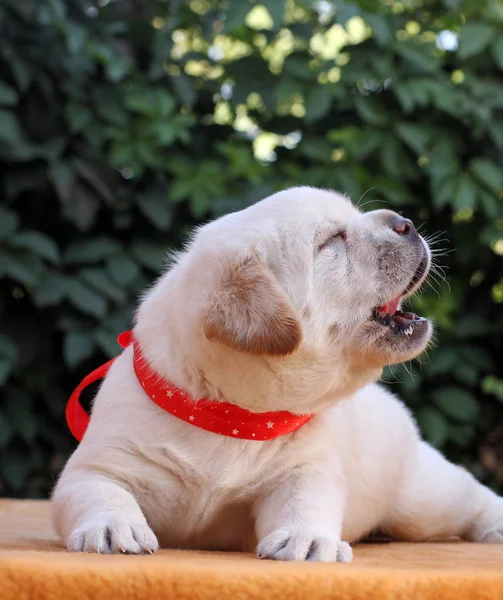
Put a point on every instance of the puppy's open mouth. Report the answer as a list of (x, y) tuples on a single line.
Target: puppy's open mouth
[(402, 322)]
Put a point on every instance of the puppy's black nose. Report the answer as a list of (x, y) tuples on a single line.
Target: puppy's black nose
[(403, 226)]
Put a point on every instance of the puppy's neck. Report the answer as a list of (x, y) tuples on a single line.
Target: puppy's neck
[(175, 346), (297, 384)]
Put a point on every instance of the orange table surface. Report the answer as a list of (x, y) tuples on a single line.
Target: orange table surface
[(34, 565)]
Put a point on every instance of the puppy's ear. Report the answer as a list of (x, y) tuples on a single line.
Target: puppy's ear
[(250, 312)]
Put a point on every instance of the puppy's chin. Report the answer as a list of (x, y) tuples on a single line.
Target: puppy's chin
[(387, 344)]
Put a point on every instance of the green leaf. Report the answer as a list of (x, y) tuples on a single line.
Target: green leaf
[(391, 155), (14, 467), (20, 267), (276, 9), (150, 255), (5, 370), (63, 179), (50, 291), (371, 110), (150, 102), (416, 137), (466, 193), (10, 131), (318, 103), (78, 116), (91, 251), (420, 56), (8, 95), (494, 386), (98, 279), (89, 174), (474, 38), (156, 207), (38, 243), (381, 28), (107, 341), (118, 68), (443, 360), (85, 299), (456, 403), (8, 348), (199, 203), (472, 326), (497, 51), (78, 346), (6, 430), (477, 356), (76, 37), (467, 374), (489, 203), (461, 435), (19, 407), (487, 174), (434, 425), (122, 269), (236, 14), (184, 89), (83, 207), (444, 191), (9, 222)]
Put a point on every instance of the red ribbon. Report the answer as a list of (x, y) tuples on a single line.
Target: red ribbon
[(222, 418)]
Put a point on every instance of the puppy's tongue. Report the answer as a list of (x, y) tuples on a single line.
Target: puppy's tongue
[(390, 308)]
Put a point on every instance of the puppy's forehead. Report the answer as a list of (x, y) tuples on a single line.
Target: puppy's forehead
[(295, 214), (305, 203), (296, 209)]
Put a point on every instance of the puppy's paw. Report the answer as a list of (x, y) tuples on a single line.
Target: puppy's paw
[(113, 535), (301, 544), (488, 529), (493, 537)]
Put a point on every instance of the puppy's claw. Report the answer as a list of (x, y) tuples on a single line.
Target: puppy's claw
[(298, 544)]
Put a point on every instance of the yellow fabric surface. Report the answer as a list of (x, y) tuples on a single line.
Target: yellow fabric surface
[(34, 565)]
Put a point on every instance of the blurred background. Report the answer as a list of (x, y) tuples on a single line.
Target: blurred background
[(123, 123)]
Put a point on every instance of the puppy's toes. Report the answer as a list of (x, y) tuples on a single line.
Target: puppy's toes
[(113, 536), (324, 550), (493, 537), (298, 544), (488, 528)]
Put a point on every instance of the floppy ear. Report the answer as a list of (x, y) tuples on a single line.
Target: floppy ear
[(250, 312)]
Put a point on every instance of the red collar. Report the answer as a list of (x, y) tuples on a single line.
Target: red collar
[(218, 417)]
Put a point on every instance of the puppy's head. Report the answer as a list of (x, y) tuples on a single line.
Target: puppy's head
[(313, 270), (298, 280)]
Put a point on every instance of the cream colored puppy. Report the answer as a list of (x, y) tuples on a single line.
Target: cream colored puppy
[(288, 305)]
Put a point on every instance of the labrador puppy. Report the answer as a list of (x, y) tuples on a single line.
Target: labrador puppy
[(289, 307)]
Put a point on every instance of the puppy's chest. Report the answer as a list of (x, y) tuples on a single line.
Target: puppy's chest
[(212, 466), (188, 489), (223, 464)]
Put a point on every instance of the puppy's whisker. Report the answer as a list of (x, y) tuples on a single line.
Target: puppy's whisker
[(363, 195), (408, 371), (434, 289), (374, 200), (435, 235), (439, 282)]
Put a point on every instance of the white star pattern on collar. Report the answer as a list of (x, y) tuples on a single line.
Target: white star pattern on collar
[(270, 424)]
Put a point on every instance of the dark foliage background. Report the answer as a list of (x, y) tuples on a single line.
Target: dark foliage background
[(123, 123)]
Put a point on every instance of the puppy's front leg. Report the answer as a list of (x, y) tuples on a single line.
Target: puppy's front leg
[(301, 518), (95, 514)]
